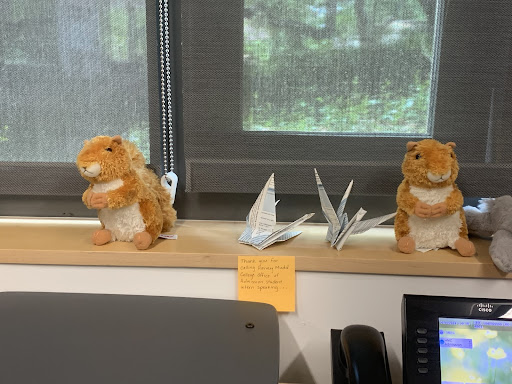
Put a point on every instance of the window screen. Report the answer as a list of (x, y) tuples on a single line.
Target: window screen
[(284, 86), (70, 71), (347, 67), (241, 90)]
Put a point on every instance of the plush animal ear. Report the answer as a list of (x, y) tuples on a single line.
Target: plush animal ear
[(451, 144), (117, 139), (411, 145)]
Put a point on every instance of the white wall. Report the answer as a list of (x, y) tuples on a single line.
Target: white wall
[(324, 301)]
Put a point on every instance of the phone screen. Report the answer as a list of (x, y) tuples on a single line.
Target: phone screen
[(475, 351)]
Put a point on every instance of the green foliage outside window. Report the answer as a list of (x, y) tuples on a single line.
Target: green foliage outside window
[(70, 71), (3, 133), (352, 66)]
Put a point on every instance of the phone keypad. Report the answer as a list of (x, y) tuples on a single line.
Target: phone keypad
[(424, 352)]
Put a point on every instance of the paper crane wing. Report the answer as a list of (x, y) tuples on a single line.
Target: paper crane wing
[(365, 225), (328, 211), (262, 217)]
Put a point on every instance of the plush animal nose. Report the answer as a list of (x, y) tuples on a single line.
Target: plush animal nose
[(439, 178), (92, 170)]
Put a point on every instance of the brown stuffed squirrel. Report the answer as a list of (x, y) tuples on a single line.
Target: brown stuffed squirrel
[(132, 204), (430, 213)]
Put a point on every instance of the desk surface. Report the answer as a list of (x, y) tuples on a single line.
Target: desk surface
[(213, 244)]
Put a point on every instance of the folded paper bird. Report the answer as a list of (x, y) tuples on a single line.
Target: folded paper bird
[(261, 221), (340, 227)]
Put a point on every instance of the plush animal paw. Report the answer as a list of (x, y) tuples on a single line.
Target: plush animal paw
[(422, 210), (101, 237), (98, 200), (439, 209), (406, 244), (142, 240), (465, 247), (500, 250)]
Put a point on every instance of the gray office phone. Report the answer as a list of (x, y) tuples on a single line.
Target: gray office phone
[(59, 338), (445, 340)]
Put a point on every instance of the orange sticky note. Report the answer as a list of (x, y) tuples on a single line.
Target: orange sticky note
[(267, 279)]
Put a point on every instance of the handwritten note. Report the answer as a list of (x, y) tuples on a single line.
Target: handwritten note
[(267, 279)]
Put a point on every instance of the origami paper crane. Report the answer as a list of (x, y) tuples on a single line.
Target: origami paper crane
[(340, 227), (261, 221)]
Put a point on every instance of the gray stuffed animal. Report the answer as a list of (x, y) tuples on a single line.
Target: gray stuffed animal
[(493, 217)]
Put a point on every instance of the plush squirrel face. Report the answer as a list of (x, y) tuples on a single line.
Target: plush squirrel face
[(102, 159), (430, 164)]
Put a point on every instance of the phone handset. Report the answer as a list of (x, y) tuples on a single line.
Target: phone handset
[(363, 357)]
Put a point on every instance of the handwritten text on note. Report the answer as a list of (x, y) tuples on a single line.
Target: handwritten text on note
[(267, 279)]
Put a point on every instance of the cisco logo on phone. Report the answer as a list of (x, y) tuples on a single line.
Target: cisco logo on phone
[(485, 307)]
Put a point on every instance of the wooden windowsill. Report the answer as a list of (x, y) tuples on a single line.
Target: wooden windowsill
[(213, 244)]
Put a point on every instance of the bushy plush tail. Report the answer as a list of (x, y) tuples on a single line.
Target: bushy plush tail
[(151, 180), (164, 199), (138, 160)]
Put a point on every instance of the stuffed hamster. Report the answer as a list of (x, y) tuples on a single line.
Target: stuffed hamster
[(430, 213), (131, 203)]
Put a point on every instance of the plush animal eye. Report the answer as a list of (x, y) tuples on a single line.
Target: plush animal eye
[(418, 156), (108, 149)]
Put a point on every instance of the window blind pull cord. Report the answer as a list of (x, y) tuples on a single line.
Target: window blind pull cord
[(169, 180)]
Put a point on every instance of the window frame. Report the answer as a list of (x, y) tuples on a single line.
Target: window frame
[(193, 202), (47, 178), (226, 204), (442, 130)]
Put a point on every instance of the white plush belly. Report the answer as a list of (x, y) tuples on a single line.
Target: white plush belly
[(438, 232), (107, 186), (124, 222), (431, 196)]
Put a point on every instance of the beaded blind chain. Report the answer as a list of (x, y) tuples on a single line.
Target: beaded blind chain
[(169, 179), (165, 86)]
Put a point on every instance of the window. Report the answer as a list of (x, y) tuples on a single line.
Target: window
[(227, 165), (70, 71), (346, 67), (253, 88), (72, 68)]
